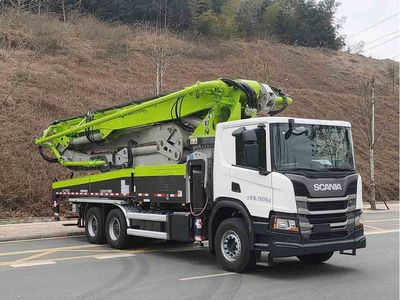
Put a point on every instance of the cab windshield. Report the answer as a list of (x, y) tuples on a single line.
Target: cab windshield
[(315, 148)]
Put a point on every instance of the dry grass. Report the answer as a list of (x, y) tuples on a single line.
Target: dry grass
[(55, 70)]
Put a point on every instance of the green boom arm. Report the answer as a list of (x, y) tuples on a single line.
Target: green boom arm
[(216, 101)]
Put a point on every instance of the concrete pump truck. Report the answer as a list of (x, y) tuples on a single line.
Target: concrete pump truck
[(198, 165)]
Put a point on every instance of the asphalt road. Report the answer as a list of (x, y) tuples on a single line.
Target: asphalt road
[(70, 268)]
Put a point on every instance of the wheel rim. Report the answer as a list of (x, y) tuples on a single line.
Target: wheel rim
[(114, 228), (93, 226), (231, 245)]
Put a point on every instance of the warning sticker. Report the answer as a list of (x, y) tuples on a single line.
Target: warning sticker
[(124, 187)]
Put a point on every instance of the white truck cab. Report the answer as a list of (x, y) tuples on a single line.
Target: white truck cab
[(296, 181)]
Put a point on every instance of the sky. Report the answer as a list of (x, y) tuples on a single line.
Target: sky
[(382, 40)]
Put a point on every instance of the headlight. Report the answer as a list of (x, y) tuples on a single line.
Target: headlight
[(358, 222), (285, 224)]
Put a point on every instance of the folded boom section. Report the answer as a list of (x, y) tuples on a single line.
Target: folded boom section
[(158, 130)]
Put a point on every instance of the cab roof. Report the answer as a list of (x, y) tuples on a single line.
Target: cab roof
[(270, 120)]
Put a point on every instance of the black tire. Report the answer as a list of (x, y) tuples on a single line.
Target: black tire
[(116, 226), (94, 225), (315, 259), (228, 233)]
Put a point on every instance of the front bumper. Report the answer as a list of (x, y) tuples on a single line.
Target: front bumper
[(283, 249), (281, 244)]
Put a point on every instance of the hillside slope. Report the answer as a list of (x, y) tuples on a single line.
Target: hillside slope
[(50, 70)]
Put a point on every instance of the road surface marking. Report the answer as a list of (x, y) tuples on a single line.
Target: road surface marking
[(114, 254), (72, 257), (110, 253), (183, 249), (382, 232), (44, 224), (382, 220), (93, 250), (53, 260), (89, 256), (374, 228), (32, 257), (47, 249), (107, 256), (33, 263), (43, 239), (207, 276)]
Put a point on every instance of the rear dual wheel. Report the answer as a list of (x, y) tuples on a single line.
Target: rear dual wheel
[(112, 230), (94, 225), (116, 227)]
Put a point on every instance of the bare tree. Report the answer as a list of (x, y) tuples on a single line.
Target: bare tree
[(367, 106), (355, 48), (161, 45), (393, 71), (39, 7), (160, 48), (18, 5), (66, 8), (64, 12)]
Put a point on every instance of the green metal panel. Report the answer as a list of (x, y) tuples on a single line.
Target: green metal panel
[(163, 170), (93, 178), (139, 171)]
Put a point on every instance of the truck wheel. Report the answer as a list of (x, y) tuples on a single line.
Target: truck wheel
[(94, 225), (232, 245), (116, 234), (315, 259)]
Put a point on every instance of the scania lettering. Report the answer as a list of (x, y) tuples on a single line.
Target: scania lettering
[(198, 165), (329, 187)]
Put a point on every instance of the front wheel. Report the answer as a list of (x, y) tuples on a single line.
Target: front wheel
[(315, 259), (116, 226), (232, 245)]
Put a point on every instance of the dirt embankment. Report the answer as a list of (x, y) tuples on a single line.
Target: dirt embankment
[(50, 70)]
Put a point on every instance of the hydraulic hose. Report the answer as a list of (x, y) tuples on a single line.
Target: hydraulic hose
[(47, 158), (246, 89)]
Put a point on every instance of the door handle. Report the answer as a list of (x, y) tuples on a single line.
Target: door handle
[(236, 187)]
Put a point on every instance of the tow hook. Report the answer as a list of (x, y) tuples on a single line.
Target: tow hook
[(353, 252)]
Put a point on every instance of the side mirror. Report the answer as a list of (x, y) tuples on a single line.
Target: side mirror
[(290, 130), (263, 172)]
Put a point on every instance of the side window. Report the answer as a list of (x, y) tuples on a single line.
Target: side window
[(250, 147)]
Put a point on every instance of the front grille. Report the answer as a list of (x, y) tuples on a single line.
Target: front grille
[(328, 235), (300, 189), (327, 219), (352, 188), (327, 205)]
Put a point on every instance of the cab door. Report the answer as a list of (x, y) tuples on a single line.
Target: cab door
[(250, 173)]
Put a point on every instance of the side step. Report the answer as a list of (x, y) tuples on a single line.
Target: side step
[(147, 233), (148, 217), (177, 226)]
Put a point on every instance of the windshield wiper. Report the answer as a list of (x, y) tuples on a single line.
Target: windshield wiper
[(340, 169), (301, 169)]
